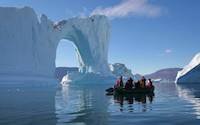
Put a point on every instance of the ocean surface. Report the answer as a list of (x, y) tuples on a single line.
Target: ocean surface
[(87, 104)]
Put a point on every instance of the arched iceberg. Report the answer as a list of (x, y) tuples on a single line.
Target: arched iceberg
[(28, 44)]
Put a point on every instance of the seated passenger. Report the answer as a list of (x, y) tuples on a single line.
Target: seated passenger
[(137, 85), (119, 83), (143, 82), (129, 84), (149, 84)]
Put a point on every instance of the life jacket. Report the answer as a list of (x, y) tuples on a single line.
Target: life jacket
[(117, 84), (149, 85)]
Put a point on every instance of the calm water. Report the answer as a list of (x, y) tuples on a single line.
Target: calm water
[(88, 105)]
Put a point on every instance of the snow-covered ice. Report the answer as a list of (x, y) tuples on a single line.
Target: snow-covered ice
[(28, 44), (91, 38), (119, 69), (190, 73)]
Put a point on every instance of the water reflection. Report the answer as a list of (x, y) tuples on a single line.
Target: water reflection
[(132, 99), (191, 93), (80, 104), (88, 105)]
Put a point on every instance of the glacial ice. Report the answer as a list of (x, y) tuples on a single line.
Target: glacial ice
[(119, 69), (91, 38), (28, 44), (190, 73)]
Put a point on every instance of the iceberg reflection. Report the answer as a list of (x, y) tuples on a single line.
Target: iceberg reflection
[(191, 93), (80, 105)]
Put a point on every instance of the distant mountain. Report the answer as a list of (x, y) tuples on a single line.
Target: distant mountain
[(165, 75), (62, 71)]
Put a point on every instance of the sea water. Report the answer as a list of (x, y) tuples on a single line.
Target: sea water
[(87, 104)]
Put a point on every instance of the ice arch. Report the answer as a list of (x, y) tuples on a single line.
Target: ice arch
[(28, 44), (90, 37)]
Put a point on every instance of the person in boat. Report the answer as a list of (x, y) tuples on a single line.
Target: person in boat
[(143, 82), (149, 84), (129, 84), (119, 83), (137, 85)]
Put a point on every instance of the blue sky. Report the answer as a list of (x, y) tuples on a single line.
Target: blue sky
[(147, 35)]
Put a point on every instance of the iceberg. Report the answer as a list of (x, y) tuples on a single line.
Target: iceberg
[(190, 73), (87, 78), (91, 38), (28, 44), (119, 69), (62, 71)]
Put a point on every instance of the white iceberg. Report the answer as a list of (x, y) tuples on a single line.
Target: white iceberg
[(190, 73), (87, 78), (28, 44), (119, 69)]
